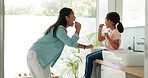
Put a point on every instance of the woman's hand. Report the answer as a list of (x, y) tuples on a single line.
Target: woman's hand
[(89, 46), (77, 27)]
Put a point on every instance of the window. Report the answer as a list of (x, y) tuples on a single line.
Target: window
[(133, 15), (26, 21), (103, 10)]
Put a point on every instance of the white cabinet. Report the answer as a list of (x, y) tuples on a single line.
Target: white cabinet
[(107, 72)]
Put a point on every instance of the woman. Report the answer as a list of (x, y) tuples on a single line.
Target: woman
[(46, 50), (112, 40)]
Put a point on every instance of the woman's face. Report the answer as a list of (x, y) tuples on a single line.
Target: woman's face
[(70, 19)]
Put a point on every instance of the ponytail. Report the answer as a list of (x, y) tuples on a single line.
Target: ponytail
[(120, 27)]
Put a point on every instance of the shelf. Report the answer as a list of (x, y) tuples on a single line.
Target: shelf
[(134, 70)]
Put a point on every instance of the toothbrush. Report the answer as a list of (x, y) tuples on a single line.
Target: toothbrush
[(101, 25)]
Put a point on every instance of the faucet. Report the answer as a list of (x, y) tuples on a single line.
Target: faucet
[(142, 38), (141, 43)]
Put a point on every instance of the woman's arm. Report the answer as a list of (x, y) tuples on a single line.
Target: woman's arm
[(72, 42), (62, 35), (84, 46)]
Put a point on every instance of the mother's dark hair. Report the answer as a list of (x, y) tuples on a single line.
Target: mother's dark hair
[(115, 18), (61, 20)]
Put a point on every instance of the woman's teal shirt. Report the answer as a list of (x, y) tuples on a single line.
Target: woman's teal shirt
[(48, 48)]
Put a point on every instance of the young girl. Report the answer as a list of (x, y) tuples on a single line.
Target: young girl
[(112, 40), (46, 50)]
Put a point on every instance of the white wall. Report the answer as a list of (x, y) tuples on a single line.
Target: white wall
[(129, 33), (1, 40), (146, 44)]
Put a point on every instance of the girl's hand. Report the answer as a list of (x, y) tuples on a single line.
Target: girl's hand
[(101, 26), (106, 35)]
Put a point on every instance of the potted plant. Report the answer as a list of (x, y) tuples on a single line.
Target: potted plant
[(72, 61)]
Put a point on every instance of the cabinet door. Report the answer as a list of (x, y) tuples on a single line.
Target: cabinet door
[(107, 72)]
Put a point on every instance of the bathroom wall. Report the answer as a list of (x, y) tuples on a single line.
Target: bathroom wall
[(129, 33)]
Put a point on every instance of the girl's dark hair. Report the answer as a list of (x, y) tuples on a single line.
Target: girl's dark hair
[(61, 20), (115, 18)]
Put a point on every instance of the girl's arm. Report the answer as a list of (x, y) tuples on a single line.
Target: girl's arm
[(114, 43), (100, 37)]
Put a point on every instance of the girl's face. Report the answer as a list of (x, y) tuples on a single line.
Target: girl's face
[(108, 23), (70, 19)]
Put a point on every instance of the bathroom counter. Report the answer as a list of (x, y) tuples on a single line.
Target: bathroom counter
[(134, 70)]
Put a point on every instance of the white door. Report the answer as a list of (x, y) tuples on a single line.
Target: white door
[(1, 39), (107, 72)]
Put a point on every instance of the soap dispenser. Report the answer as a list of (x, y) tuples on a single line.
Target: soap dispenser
[(133, 43)]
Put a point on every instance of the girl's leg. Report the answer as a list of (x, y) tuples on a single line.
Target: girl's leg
[(89, 62), (35, 68)]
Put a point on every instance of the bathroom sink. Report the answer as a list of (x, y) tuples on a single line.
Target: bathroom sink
[(124, 57)]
